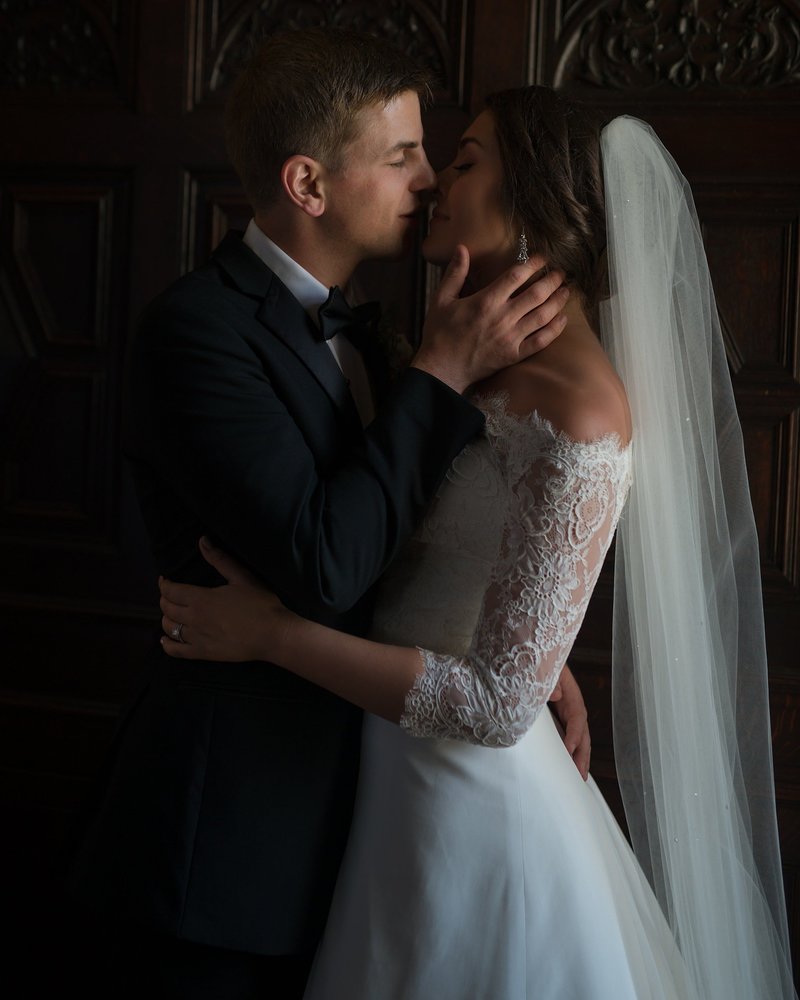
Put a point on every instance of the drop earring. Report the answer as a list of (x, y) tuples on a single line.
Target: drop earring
[(522, 248)]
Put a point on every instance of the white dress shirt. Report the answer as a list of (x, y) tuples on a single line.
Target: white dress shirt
[(311, 294)]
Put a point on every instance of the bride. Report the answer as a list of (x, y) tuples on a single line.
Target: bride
[(480, 866)]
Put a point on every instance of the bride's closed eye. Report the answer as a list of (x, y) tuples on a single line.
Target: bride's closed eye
[(461, 167)]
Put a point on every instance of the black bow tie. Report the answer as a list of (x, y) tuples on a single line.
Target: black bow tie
[(336, 316)]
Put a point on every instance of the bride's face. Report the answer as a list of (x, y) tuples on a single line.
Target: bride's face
[(469, 207)]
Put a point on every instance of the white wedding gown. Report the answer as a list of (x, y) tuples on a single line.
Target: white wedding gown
[(493, 872)]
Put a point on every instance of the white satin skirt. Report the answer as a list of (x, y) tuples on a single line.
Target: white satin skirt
[(483, 874)]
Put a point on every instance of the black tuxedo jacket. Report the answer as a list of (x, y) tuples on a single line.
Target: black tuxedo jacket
[(225, 806)]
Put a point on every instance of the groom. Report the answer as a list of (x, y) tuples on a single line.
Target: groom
[(261, 414)]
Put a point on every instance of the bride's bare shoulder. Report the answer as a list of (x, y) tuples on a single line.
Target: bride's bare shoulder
[(585, 400)]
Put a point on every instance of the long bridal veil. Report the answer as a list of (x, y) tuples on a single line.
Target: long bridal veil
[(691, 722)]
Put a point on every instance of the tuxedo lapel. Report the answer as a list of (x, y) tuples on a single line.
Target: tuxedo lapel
[(283, 316), (281, 313)]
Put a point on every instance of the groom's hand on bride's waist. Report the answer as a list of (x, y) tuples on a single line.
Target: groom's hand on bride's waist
[(569, 709), (466, 339)]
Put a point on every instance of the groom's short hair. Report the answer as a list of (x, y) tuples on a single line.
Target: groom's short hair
[(301, 93)]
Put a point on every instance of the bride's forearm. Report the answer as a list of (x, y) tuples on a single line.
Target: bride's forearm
[(242, 621), (374, 676)]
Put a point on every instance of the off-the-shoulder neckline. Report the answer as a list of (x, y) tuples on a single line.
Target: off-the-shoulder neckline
[(494, 406)]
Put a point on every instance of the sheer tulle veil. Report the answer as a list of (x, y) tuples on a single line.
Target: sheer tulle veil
[(691, 722)]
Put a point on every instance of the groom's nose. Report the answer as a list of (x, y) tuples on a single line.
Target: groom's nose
[(425, 177)]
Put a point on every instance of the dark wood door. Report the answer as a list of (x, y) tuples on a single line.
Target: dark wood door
[(113, 181)]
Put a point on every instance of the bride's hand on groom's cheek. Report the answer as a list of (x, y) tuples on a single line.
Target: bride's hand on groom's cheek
[(236, 622)]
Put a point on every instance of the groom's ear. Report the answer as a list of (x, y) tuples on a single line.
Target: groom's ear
[(302, 180)]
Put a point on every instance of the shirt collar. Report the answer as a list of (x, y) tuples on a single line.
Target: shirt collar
[(309, 292)]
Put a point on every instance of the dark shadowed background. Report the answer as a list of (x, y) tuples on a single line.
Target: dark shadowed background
[(114, 180)]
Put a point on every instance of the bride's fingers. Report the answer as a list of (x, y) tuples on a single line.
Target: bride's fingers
[(582, 760), (175, 633), (177, 612), (177, 593), (193, 644), (225, 564), (177, 650), (581, 755)]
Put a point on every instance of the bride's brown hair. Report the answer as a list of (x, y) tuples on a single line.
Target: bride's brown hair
[(553, 182)]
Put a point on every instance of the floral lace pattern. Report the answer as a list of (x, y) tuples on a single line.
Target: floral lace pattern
[(562, 500)]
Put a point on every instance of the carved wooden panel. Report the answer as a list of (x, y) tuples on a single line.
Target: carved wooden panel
[(64, 240), (213, 203), (51, 226), (70, 50), (674, 49), (224, 32), (757, 295)]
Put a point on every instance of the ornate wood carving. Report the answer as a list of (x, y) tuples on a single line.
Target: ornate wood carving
[(680, 45), (65, 47), (429, 32)]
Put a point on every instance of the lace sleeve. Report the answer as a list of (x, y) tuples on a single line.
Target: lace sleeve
[(561, 516)]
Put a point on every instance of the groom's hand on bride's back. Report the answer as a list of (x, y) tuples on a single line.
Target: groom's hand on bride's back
[(567, 704), (466, 339)]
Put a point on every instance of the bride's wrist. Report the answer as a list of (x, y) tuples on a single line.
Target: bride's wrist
[(282, 638)]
